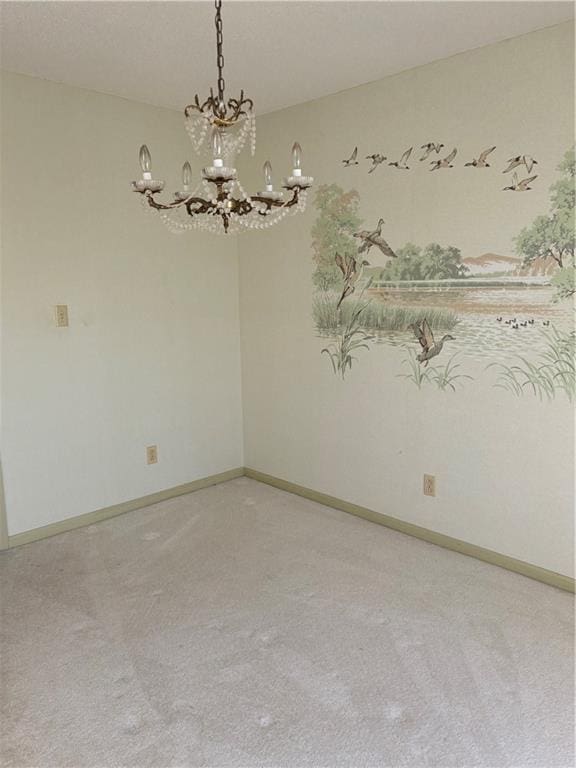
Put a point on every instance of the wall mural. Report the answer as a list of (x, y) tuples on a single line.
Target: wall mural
[(513, 313)]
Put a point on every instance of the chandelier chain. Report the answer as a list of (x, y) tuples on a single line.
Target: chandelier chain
[(219, 54)]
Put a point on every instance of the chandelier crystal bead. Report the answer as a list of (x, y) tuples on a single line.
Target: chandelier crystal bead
[(219, 204)]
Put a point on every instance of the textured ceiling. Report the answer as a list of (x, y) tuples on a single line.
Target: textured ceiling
[(281, 52)]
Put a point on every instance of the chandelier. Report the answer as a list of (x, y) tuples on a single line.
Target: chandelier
[(219, 203)]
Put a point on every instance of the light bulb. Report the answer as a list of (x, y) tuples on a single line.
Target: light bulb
[(145, 161), (186, 175), (297, 159), (268, 176), (217, 148)]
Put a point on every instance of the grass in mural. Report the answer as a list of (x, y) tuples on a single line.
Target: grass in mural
[(377, 316), (553, 371), (418, 374), (445, 377), (352, 338)]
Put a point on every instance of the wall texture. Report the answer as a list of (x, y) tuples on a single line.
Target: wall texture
[(503, 461), (152, 353)]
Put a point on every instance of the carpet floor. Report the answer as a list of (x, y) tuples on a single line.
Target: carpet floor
[(243, 626)]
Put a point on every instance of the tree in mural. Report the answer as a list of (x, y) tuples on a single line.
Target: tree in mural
[(333, 232), (433, 262), (553, 235)]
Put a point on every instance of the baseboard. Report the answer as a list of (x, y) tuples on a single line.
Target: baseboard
[(118, 509), (463, 547), (3, 522), (433, 537)]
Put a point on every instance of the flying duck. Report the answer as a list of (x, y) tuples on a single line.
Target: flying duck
[(376, 160), (526, 160), (429, 148), (430, 348), (513, 162), (445, 163), (481, 161), (352, 159), (520, 186), (401, 164), (351, 272), (370, 239)]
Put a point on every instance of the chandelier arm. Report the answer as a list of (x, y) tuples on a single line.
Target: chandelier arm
[(237, 104), (153, 203), (196, 206), (204, 206), (279, 203), (224, 118), (243, 206)]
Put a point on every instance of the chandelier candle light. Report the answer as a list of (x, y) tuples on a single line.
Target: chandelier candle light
[(219, 203)]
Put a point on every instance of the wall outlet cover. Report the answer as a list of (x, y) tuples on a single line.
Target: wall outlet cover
[(152, 454)]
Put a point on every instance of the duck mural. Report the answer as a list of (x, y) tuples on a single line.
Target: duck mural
[(505, 317)]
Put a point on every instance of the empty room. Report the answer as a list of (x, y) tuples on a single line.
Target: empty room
[(288, 373)]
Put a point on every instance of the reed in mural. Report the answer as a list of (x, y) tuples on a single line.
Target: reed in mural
[(551, 373), (417, 374), (377, 316), (352, 338), (449, 376), (445, 377)]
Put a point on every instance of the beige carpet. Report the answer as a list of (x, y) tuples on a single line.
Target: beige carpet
[(244, 626)]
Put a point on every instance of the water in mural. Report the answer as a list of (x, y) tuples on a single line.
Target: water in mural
[(514, 312)]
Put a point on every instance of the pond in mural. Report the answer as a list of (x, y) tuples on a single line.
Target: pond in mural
[(490, 316)]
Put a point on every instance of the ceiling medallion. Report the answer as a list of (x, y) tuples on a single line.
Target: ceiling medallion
[(219, 203)]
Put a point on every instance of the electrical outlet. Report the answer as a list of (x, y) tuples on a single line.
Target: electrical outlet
[(429, 485), (152, 454), (61, 312)]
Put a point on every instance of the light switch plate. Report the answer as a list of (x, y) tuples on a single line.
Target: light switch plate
[(429, 485), (61, 312)]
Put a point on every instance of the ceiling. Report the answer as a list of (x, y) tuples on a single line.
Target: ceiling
[(283, 52)]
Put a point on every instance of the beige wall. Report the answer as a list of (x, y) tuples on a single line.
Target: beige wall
[(504, 465), (152, 352)]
